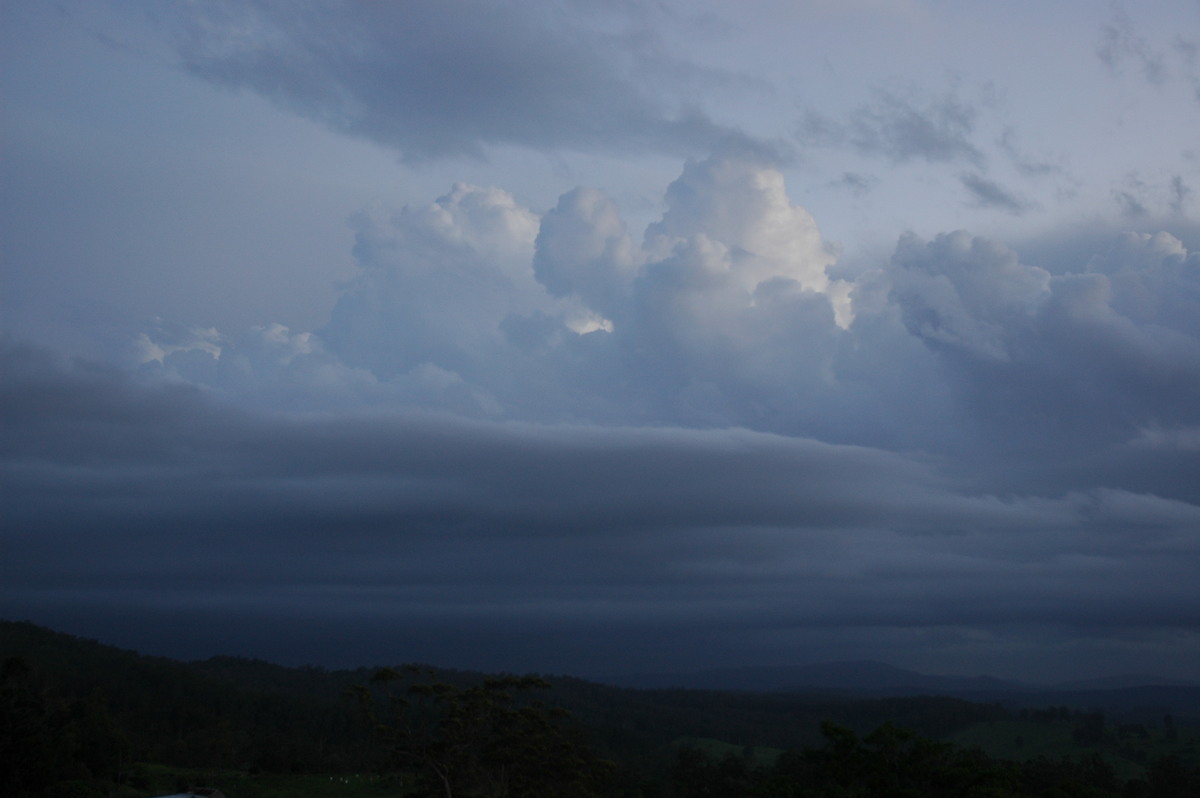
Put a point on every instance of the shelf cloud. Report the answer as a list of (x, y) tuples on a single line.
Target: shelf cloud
[(603, 338)]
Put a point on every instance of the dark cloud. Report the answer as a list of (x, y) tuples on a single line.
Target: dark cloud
[(1121, 44), (1131, 206), (409, 535), (438, 79), (1180, 194), (857, 183), (990, 194), (1143, 199), (1025, 163), (901, 129), (1188, 49)]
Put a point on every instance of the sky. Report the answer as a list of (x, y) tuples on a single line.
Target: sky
[(605, 337)]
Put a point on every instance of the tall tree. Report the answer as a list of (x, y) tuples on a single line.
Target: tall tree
[(480, 741)]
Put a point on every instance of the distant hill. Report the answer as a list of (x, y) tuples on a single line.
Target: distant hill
[(1124, 682), (860, 676), (164, 700), (869, 677)]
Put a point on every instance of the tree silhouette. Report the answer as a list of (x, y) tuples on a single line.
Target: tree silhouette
[(480, 741)]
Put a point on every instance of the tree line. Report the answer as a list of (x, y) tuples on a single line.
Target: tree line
[(76, 717)]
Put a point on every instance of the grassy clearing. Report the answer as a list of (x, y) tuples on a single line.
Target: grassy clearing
[(760, 756), (1022, 740), (163, 780)]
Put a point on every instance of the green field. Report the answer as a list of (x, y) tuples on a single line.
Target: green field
[(759, 756), (1022, 740), (151, 779)]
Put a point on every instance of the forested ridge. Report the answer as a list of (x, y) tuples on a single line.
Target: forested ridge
[(79, 718)]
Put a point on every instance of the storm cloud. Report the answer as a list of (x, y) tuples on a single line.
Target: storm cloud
[(720, 457), (605, 538), (635, 337)]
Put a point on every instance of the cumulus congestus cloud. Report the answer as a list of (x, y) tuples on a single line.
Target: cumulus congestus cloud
[(725, 314), (725, 311), (1081, 359)]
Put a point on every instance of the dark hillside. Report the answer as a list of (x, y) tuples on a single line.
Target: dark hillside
[(222, 713), (82, 711)]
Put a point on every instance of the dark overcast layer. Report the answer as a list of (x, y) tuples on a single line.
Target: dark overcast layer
[(620, 428)]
